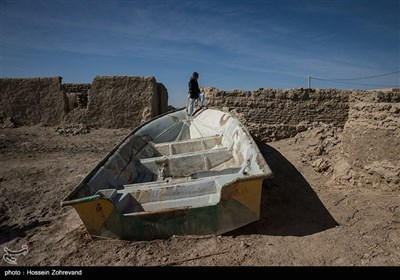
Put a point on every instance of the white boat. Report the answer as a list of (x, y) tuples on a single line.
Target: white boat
[(175, 175)]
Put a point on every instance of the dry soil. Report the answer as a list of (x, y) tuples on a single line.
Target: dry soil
[(304, 221)]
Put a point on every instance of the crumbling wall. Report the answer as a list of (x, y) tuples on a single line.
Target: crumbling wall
[(113, 102), (77, 95), (273, 114), (371, 141), (162, 95), (370, 120), (122, 101), (31, 101)]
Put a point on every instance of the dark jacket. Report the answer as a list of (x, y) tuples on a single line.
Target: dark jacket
[(194, 89)]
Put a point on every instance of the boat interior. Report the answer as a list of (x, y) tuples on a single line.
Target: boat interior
[(175, 162)]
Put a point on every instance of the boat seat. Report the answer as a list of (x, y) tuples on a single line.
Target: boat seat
[(200, 189), (117, 172), (189, 202), (188, 146), (182, 165), (124, 166), (157, 196), (163, 192)]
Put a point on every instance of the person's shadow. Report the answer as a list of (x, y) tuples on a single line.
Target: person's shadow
[(289, 206)]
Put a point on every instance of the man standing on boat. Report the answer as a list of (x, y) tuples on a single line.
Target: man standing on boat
[(195, 94)]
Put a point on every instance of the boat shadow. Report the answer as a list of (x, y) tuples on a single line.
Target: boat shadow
[(289, 206), (10, 232)]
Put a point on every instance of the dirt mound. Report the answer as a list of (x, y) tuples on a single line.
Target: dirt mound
[(72, 129)]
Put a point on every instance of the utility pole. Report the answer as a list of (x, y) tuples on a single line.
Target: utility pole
[(309, 81)]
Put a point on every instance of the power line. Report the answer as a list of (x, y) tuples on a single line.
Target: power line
[(342, 81), (350, 83), (363, 78)]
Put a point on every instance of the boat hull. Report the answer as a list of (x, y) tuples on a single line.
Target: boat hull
[(174, 176), (239, 206)]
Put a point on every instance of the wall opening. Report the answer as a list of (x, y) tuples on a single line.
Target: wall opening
[(77, 96)]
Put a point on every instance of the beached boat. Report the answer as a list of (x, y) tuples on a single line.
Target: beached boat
[(175, 175)]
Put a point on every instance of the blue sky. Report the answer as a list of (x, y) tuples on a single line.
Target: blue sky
[(232, 44)]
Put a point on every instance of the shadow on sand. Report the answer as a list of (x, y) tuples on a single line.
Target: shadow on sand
[(10, 232), (289, 206)]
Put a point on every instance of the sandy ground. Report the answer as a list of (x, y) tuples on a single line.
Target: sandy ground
[(304, 222)]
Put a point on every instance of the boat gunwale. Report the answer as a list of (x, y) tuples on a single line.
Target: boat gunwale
[(81, 200)]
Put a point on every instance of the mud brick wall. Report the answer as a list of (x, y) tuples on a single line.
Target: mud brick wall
[(162, 98), (32, 101), (110, 101), (273, 114), (374, 119), (123, 101)]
